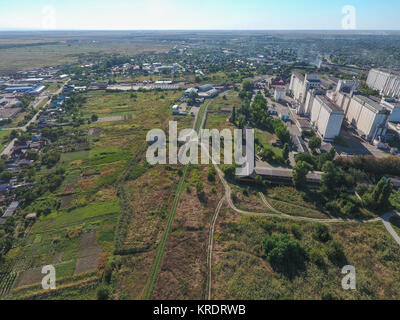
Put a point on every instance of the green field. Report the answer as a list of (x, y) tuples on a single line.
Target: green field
[(242, 270)]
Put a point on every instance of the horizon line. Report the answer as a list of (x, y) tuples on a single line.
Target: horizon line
[(130, 30)]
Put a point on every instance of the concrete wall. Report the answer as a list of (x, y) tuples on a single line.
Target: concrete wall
[(388, 84), (328, 122)]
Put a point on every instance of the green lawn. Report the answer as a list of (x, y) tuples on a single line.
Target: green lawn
[(265, 138), (57, 220)]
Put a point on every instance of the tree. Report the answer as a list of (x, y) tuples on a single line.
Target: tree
[(268, 156), (283, 134), (284, 253), (103, 292), (306, 157), (192, 98), (94, 117), (300, 171), (315, 143), (379, 199), (6, 176), (13, 134), (247, 86), (233, 117), (285, 152), (329, 177)]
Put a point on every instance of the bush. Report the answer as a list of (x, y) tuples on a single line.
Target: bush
[(317, 257), (285, 254), (103, 292), (294, 228), (315, 143), (335, 253), (322, 233), (211, 174)]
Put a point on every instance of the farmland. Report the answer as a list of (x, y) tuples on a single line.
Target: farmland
[(79, 233), (25, 50)]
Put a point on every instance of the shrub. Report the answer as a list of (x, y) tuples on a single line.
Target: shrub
[(317, 257), (321, 233), (285, 254), (103, 292), (335, 253), (294, 228)]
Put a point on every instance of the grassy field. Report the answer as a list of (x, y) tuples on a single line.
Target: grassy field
[(265, 138), (242, 271), (227, 100), (53, 49), (219, 121), (4, 134)]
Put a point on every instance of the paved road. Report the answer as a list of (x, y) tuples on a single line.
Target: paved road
[(386, 222)]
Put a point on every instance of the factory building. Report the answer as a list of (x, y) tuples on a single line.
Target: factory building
[(28, 90), (189, 91), (326, 116), (370, 118), (279, 93), (386, 81), (347, 85), (299, 85), (393, 106), (205, 88)]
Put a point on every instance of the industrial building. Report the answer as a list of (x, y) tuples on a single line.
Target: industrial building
[(205, 88), (189, 91), (347, 85), (299, 85), (393, 106), (386, 81), (326, 116), (28, 90), (279, 93), (368, 117)]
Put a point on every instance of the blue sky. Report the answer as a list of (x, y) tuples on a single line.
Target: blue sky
[(199, 14)]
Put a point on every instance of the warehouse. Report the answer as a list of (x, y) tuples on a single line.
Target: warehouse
[(326, 117), (386, 81), (299, 86), (205, 88), (18, 89), (394, 107), (369, 117)]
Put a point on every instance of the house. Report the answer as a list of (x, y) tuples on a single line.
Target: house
[(31, 215)]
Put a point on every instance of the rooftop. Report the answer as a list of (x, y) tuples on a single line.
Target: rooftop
[(329, 103), (371, 104), (298, 75)]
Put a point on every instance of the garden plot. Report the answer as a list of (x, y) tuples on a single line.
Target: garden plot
[(88, 254)]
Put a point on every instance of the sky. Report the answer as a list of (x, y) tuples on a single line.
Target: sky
[(199, 15)]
